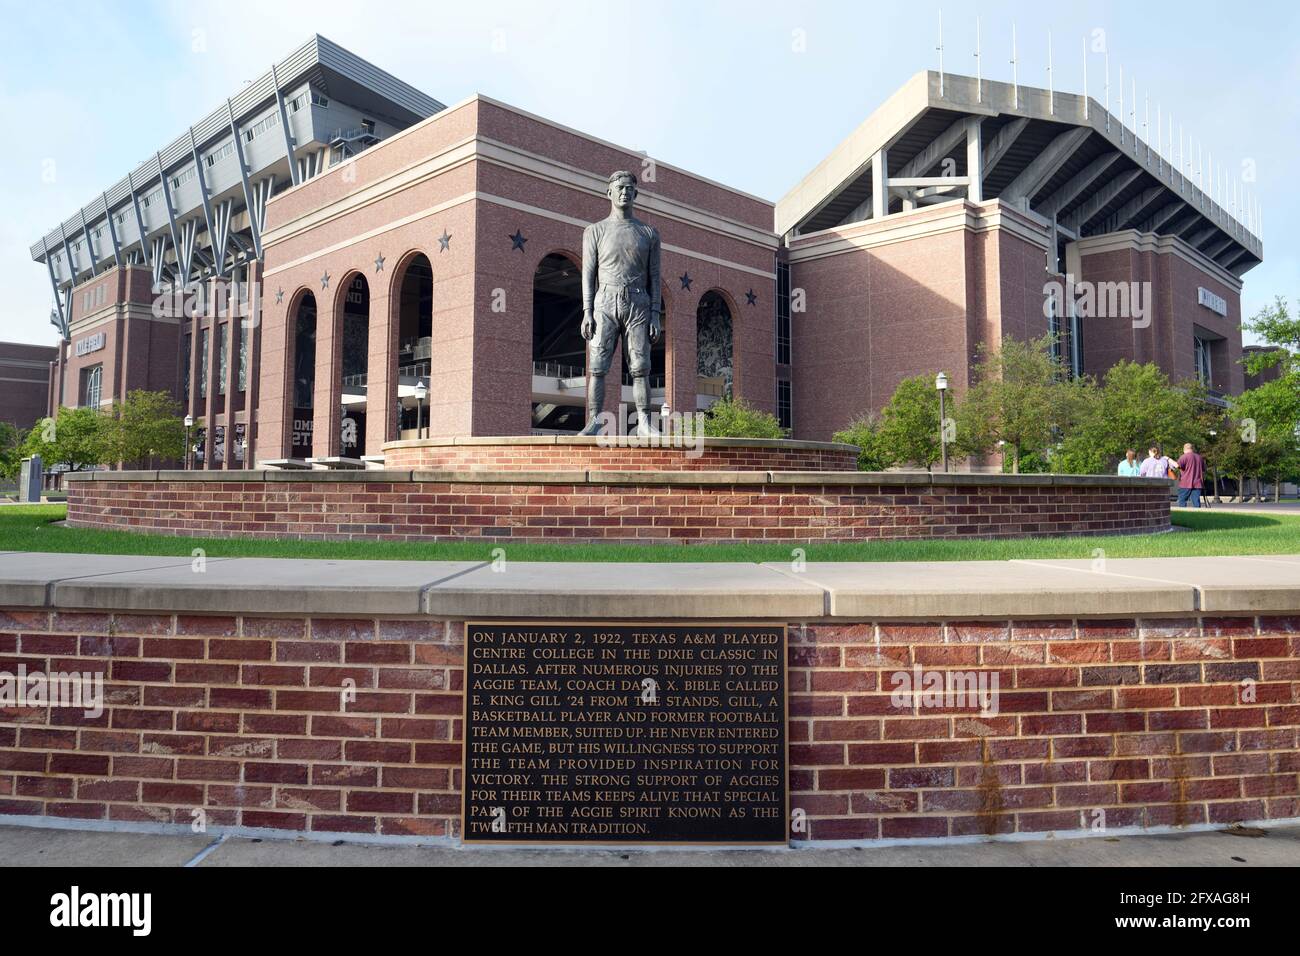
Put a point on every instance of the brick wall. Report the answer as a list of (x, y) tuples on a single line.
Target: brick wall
[(242, 717), (566, 457), (1153, 722), (754, 509), (24, 382), (1121, 722)]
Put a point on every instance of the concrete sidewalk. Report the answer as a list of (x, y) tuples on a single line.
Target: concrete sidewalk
[(1287, 506), (30, 846)]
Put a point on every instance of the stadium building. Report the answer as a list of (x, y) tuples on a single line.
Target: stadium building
[(333, 260)]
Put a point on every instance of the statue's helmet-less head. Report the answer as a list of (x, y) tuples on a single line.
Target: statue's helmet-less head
[(622, 188)]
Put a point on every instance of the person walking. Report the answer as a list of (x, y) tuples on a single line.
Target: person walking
[(1155, 465), (1129, 467), (1191, 475)]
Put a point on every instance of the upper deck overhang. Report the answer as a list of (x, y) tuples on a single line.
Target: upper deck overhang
[(1061, 156)]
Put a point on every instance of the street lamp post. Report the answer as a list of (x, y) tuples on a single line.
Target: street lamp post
[(421, 390), (941, 385), (189, 423), (1214, 471)]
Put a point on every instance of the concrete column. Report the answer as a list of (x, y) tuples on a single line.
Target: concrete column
[(328, 393), (974, 159), (879, 184)]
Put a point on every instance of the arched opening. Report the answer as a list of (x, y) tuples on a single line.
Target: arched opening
[(354, 365), (304, 376), (714, 363), (559, 400), (414, 347)]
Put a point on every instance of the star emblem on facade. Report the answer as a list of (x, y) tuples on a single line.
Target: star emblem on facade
[(686, 281), (518, 240), (379, 262), (444, 241), (750, 297), (325, 281), (279, 296)]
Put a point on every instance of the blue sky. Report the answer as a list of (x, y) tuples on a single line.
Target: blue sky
[(720, 88)]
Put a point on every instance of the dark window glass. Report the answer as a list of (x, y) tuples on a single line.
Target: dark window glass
[(203, 364), (783, 402), (783, 313)]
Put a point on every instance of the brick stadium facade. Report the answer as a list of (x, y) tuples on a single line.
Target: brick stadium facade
[(439, 247), (24, 377), (1102, 724)]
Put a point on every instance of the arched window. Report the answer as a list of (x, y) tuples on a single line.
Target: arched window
[(559, 350), (91, 380), (304, 376), (414, 344), (713, 346), (354, 365)]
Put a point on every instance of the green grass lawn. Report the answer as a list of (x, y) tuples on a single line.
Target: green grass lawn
[(30, 528)]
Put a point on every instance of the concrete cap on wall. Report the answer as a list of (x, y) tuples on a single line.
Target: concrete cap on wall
[(654, 590)]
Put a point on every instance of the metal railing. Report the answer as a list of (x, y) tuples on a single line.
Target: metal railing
[(558, 370)]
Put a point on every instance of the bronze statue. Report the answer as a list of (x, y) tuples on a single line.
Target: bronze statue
[(620, 299)]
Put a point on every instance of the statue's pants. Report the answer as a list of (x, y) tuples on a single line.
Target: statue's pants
[(621, 312)]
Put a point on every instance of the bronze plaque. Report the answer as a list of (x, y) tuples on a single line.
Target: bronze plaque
[(625, 733)]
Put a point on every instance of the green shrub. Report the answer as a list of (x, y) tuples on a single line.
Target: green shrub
[(736, 418), (873, 448)]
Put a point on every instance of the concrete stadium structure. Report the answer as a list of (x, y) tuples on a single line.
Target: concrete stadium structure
[(398, 243)]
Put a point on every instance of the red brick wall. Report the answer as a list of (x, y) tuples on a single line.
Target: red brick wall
[(1169, 338), (24, 382), (1146, 721), (241, 716), (912, 295), (578, 457), (429, 510)]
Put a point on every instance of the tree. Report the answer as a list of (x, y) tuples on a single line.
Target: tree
[(74, 438), (1134, 406), (1275, 325), (909, 424), (1021, 401), (1270, 413), (736, 418), (866, 431), (1267, 419), (145, 426), (11, 451)]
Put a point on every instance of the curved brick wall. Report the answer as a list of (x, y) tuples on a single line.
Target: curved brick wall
[(550, 452), (578, 506)]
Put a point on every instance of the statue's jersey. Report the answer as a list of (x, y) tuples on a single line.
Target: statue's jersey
[(622, 253)]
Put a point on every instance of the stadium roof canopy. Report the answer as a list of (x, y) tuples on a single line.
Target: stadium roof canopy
[(1061, 156), (197, 204)]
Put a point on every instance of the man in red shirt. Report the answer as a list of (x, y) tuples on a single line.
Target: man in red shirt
[(1191, 473)]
